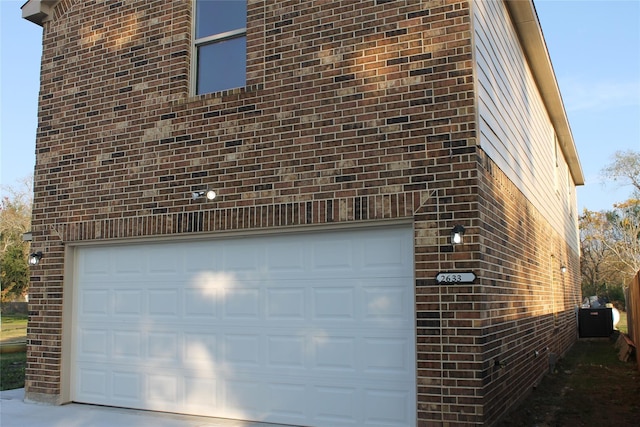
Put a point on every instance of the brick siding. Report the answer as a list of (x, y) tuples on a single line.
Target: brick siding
[(353, 111)]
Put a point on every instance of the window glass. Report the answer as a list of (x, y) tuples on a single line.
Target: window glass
[(222, 65), (219, 16), (220, 45)]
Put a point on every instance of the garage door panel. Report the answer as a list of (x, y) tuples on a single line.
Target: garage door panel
[(94, 342), (242, 303), (242, 350), (202, 257), (126, 386), (129, 261), (286, 352), (336, 405), (306, 329), (385, 355), (390, 355), (243, 259), (127, 303), (201, 394), (334, 353), (162, 262), (333, 303), (93, 382), (248, 396), (163, 302), (394, 258), (162, 347), (331, 257), (200, 350), (95, 265), (387, 407), (384, 300), (285, 258), (210, 285), (285, 303), (197, 305), (288, 400), (162, 391), (95, 302)]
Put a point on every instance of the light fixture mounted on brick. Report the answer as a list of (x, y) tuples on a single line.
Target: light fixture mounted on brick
[(34, 258), (563, 269), (456, 234), (209, 194)]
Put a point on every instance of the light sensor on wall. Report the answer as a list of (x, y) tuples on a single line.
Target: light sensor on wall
[(209, 195), (34, 258), (456, 234)]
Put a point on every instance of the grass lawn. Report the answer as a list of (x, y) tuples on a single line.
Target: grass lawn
[(13, 328), (622, 324), (12, 370), (589, 387)]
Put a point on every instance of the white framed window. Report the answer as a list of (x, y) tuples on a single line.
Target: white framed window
[(220, 45)]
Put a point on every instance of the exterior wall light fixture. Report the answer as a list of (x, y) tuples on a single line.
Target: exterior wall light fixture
[(563, 269), (456, 234), (209, 194), (34, 258)]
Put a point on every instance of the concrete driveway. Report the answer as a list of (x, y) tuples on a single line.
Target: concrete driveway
[(14, 412)]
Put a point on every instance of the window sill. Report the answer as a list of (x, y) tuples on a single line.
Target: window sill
[(217, 97)]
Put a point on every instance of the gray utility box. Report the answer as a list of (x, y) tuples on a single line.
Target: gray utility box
[(595, 322)]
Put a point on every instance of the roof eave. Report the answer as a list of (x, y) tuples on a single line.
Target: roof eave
[(525, 19), (38, 11)]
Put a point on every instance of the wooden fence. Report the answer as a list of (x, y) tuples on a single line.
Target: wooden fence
[(14, 308), (633, 313)]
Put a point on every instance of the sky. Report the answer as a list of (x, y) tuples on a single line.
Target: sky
[(594, 47)]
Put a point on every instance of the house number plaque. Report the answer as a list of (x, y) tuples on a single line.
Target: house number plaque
[(462, 277)]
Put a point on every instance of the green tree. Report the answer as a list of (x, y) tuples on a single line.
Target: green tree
[(15, 220), (610, 240), (599, 265), (623, 235), (14, 272)]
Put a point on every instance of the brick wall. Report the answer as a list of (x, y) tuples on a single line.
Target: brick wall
[(353, 111), (529, 305)]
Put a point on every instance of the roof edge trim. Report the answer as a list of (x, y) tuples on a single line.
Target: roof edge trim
[(38, 11)]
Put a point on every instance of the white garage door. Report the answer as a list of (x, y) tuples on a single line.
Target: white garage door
[(313, 329)]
